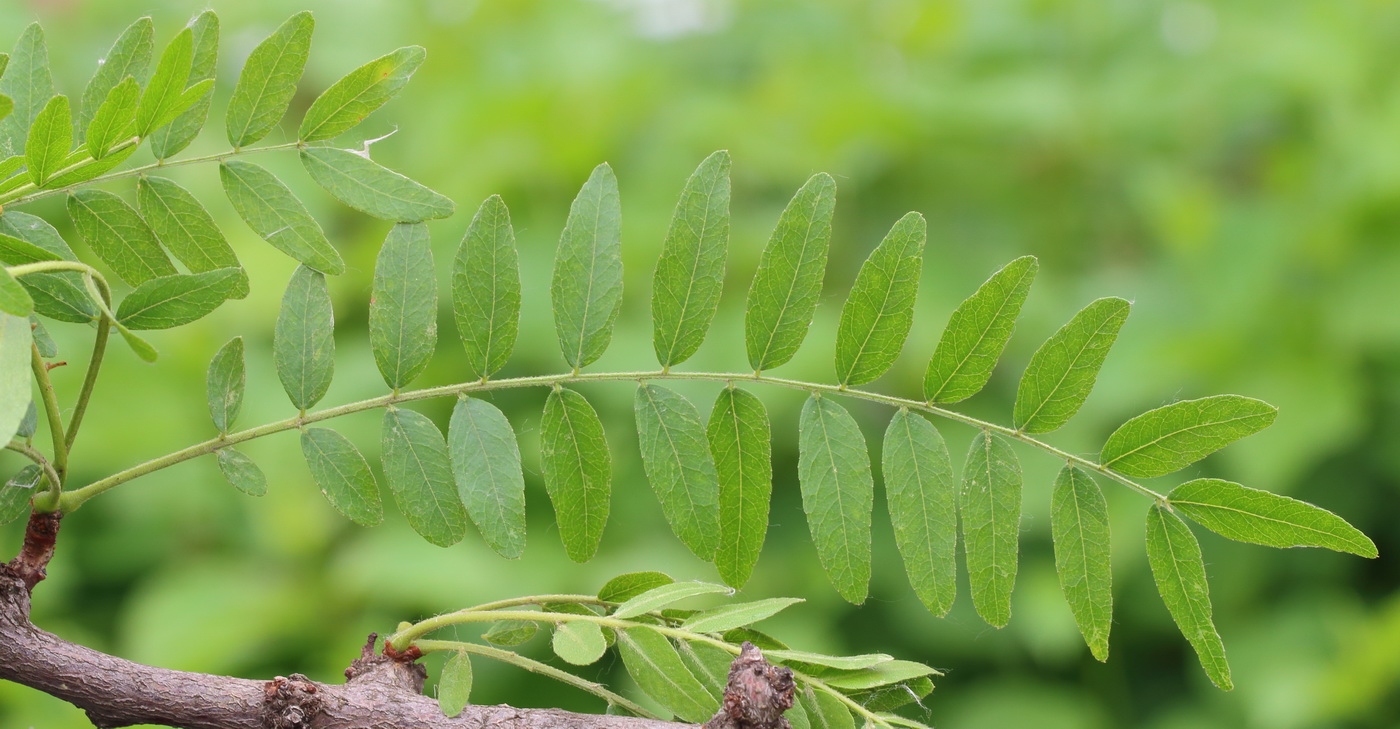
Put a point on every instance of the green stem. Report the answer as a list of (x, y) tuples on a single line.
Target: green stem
[(539, 600), (74, 499), (52, 414), (99, 348), (49, 500), (25, 269), (544, 669)]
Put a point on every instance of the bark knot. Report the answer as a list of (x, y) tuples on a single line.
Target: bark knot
[(290, 702), (757, 694)]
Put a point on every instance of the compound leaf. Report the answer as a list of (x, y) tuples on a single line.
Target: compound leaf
[(1062, 372), (403, 305), (1079, 527), (171, 301), (28, 84), (741, 445), (486, 289), (16, 387), (679, 466), (25, 238), (577, 469), (1180, 573), (1259, 517), (419, 471), (486, 467), (838, 492), (342, 474), (183, 224), (657, 668), (923, 503), (114, 120), (118, 235), (169, 139), (359, 93), (277, 216), (269, 80), (49, 141), (240, 471), (129, 57), (977, 333), (690, 274), (579, 642), (303, 341), (360, 182), (455, 684), (226, 382), (586, 289), (880, 307), (990, 503), (1174, 436)]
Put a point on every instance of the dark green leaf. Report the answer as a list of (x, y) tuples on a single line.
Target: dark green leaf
[(923, 503), (172, 301), (510, 632), (49, 141), (665, 595), (577, 469), (226, 381), (579, 642), (403, 305), (303, 342), (991, 520), (690, 275), (356, 180), (1062, 372), (268, 81), (118, 235), (455, 684), (486, 289), (240, 471), (728, 617), (837, 493), (1180, 573), (625, 587), (359, 93), (740, 442), (114, 121), (587, 284), (1259, 517), (977, 333), (169, 139), (25, 238), (129, 57), (419, 471), (28, 84), (1174, 436), (186, 228), (1079, 525), (486, 466), (14, 299), (880, 308), (342, 475), (788, 282), (16, 385), (678, 464), (653, 663), (275, 214), (710, 665), (158, 103)]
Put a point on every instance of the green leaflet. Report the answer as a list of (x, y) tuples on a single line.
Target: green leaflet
[(7, 105), (586, 288), (1174, 436), (486, 467), (114, 120), (403, 305), (49, 141), (14, 299), (486, 289), (169, 139), (577, 469), (880, 307), (118, 235), (455, 684), (226, 382), (892, 696), (59, 296), (664, 595), (1180, 573), (15, 384), (990, 504), (276, 215), (923, 504), (159, 101), (14, 498), (710, 665), (1259, 517), (579, 642), (678, 464), (728, 617), (510, 632), (342, 475), (171, 301), (14, 251), (28, 84), (884, 674), (825, 711), (1062, 372), (268, 81), (419, 471), (79, 170), (690, 274), (627, 586), (240, 471), (359, 93), (30, 421), (186, 228), (837, 493), (303, 342), (977, 333), (43, 341), (1079, 527), (741, 445), (129, 56), (141, 347), (783, 296), (356, 180), (654, 664)]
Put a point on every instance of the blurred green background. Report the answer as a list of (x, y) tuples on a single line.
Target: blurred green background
[(1232, 168)]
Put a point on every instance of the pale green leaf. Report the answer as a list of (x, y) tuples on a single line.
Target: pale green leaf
[(118, 235), (627, 586), (665, 595), (171, 301), (1079, 527), (893, 696), (977, 333), (12, 164), (342, 475), (403, 305), (923, 504), (25, 238), (359, 93), (653, 663), (577, 469), (1062, 372), (990, 505), (226, 382), (510, 632), (43, 341), (186, 228), (7, 105), (114, 120), (844, 663), (678, 464), (486, 467), (28, 84), (880, 308), (268, 81), (418, 467), (49, 141), (14, 299), (728, 617), (586, 288), (277, 216), (167, 83), (356, 180), (783, 296), (78, 167), (240, 471), (741, 444), (169, 139), (16, 385), (15, 251), (30, 422), (825, 711), (16, 492), (129, 57), (690, 274), (838, 493), (303, 342), (486, 289), (455, 684), (1259, 517), (1174, 436), (883, 674), (1180, 573), (579, 642), (710, 665)]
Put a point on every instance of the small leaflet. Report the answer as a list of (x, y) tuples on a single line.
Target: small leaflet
[(167, 140), (586, 288), (365, 185), (342, 475), (118, 235), (838, 493), (403, 305), (923, 500), (359, 93), (689, 276), (418, 467), (303, 340), (1079, 527), (579, 642), (1062, 372), (486, 467), (679, 466), (741, 444), (226, 381), (170, 301), (268, 81), (656, 667), (1259, 517), (455, 684), (240, 471), (277, 216)]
